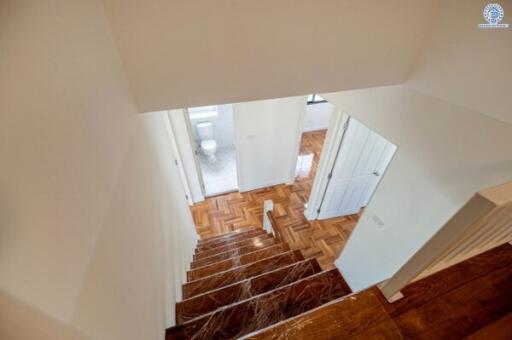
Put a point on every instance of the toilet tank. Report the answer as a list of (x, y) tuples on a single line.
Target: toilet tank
[(205, 130)]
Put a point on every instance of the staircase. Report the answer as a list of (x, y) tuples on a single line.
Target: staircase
[(247, 280)]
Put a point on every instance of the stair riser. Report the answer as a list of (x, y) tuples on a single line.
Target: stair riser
[(238, 274), (229, 234), (206, 303), (264, 310), (257, 241), (228, 241), (237, 261), (231, 253)]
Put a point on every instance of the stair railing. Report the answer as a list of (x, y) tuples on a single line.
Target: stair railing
[(483, 223), (269, 222)]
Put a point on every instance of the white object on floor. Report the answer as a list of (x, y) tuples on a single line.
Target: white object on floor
[(208, 143)]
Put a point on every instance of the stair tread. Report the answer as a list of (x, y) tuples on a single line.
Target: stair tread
[(339, 319), (230, 240), (230, 233), (265, 309), (239, 273), (499, 329), (255, 241), (233, 262), (477, 292), (212, 300), (232, 253)]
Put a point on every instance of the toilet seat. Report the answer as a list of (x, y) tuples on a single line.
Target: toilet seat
[(208, 144)]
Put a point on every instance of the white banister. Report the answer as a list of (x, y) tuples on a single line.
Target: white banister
[(268, 205), (484, 222)]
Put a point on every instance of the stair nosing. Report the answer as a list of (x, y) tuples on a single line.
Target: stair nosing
[(218, 273), (266, 235), (266, 293), (230, 233), (252, 252), (290, 319), (229, 241), (250, 278), (270, 245)]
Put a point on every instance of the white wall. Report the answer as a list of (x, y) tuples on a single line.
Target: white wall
[(193, 53), (449, 148), (222, 125), (317, 116), (95, 233), (186, 148), (267, 136), (467, 65), (445, 154)]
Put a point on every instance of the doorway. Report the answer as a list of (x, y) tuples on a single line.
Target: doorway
[(361, 160), (314, 130), (212, 132)]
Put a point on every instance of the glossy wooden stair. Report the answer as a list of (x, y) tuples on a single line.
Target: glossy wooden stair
[(207, 302), (232, 253), (265, 309), (471, 300), (236, 274), (198, 273), (227, 235), (229, 240), (256, 242)]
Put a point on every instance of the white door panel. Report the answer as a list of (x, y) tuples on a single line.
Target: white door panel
[(362, 159)]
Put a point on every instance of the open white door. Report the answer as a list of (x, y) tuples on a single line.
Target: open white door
[(361, 161)]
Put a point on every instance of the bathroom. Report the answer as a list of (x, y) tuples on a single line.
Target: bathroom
[(212, 130)]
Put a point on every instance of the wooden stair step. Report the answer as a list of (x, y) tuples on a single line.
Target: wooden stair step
[(208, 302), (469, 299), (233, 262), (263, 310), (230, 240), (240, 273), (343, 318), (451, 278), (221, 249), (497, 330), (232, 253), (228, 234)]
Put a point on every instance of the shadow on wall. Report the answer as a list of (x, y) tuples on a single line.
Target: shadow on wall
[(21, 321)]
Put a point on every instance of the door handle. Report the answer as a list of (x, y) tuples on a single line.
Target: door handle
[(376, 173)]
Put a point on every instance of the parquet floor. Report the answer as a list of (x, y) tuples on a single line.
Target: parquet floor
[(321, 239)]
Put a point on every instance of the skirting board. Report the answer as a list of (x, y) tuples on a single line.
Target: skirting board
[(261, 186)]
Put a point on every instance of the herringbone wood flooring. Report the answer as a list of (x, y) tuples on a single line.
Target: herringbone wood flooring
[(321, 239)]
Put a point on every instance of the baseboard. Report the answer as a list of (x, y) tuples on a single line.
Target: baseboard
[(262, 185)]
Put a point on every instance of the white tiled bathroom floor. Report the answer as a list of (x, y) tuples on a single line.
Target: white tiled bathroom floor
[(220, 177)]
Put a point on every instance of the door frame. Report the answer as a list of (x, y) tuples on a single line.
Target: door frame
[(298, 138), (195, 150), (178, 160), (332, 144)]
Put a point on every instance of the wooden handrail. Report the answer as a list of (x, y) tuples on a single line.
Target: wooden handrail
[(483, 223), (275, 226)]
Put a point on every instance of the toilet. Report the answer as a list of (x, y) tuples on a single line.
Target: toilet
[(207, 141)]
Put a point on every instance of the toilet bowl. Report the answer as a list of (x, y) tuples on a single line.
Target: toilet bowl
[(207, 140)]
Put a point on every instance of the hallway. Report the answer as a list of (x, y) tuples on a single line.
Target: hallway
[(323, 240)]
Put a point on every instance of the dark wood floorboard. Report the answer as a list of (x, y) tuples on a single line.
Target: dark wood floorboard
[(472, 299)]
